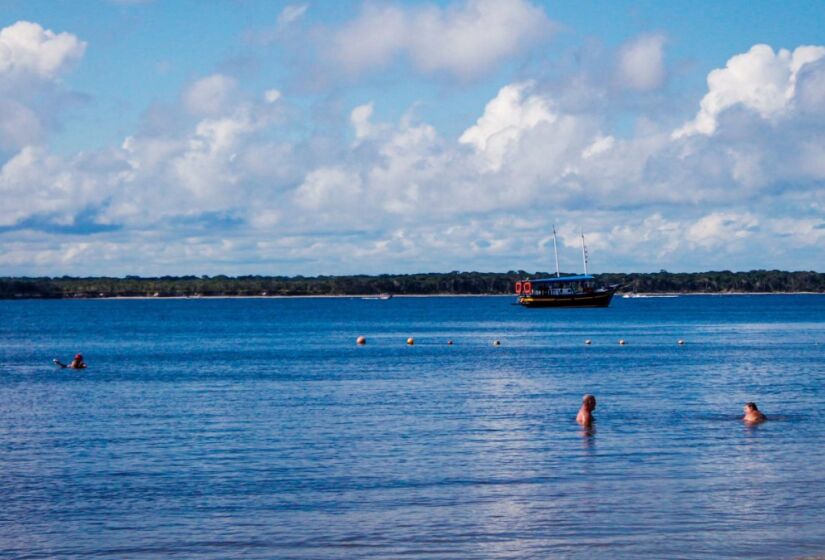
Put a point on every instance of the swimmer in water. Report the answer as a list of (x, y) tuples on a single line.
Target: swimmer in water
[(585, 415), (752, 414), (76, 363)]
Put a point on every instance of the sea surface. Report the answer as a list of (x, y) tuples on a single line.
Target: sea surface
[(257, 428)]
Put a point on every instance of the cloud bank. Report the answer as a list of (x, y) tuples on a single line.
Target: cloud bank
[(232, 188)]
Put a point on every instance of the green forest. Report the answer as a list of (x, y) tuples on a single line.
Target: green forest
[(492, 283)]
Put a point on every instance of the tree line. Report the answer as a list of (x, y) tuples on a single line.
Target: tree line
[(397, 284)]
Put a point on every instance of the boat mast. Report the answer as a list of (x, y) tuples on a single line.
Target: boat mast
[(584, 255), (556, 251)]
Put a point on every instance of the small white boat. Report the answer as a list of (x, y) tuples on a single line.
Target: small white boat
[(646, 296)]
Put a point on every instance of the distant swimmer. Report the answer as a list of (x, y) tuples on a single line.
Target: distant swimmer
[(585, 415), (752, 414), (76, 363)]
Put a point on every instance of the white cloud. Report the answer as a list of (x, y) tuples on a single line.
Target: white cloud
[(28, 49), (641, 63), (463, 40), (207, 169), (360, 119), (333, 188), (31, 61), (210, 95), (805, 232), (810, 88), (760, 80), (600, 145), (272, 95), (721, 229), (505, 120), (291, 13), (19, 125), (43, 184)]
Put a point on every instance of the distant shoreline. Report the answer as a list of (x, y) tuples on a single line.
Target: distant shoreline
[(636, 295), (454, 283)]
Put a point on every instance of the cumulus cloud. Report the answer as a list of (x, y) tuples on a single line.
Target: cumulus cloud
[(28, 49), (19, 125), (641, 63), (760, 80), (210, 95), (210, 168), (462, 40), (810, 88), (332, 188), (505, 119), (721, 229), (51, 188), (32, 59)]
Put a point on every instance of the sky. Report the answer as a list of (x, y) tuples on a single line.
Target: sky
[(244, 137)]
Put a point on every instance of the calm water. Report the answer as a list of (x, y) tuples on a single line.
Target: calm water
[(258, 429)]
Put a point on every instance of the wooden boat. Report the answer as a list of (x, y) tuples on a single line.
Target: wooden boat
[(565, 291)]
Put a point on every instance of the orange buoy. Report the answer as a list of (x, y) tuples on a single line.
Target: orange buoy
[(361, 340), (411, 341)]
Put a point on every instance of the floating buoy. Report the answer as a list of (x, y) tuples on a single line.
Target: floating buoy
[(449, 343), (588, 342), (411, 341), (361, 340), (680, 342), (621, 342), (496, 343)]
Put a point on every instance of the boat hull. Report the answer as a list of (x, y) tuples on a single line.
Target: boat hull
[(598, 299)]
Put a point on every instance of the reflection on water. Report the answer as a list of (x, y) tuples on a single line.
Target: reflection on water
[(258, 429)]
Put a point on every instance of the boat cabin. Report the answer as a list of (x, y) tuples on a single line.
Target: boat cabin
[(559, 286)]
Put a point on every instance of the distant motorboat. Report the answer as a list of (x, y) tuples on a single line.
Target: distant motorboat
[(378, 297), (646, 296)]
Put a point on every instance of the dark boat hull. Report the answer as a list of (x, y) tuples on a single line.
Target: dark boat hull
[(598, 299)]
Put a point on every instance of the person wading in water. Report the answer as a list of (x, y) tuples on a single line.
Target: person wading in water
[(585, 415)]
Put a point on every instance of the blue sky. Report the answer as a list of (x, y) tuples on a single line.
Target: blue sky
[(340, 137)]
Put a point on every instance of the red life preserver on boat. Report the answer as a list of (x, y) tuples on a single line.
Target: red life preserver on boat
[(527, 288), (518, 288)]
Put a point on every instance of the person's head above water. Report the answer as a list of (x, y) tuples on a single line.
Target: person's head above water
[(752, 413), (585, 416), (78, 357)]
